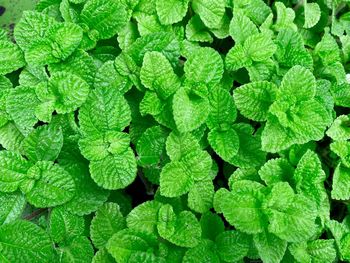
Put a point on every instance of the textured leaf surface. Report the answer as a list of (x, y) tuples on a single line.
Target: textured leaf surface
[(11, 57), (210, 11), (54, 185), (114, 171), (12, 206), (170, 12), (107, 221), (23, 241)]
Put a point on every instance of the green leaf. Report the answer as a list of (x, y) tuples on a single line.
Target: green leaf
[(13, 169), (104, 18), (285, 17), (104, 110), (79, 250), (115, 171), (190, 110), (182, 230), (102, 256), (20, 105), (242, 207), (96, 147), (196, 31), (158, 75), (341, 183), (314, 251), (43, 144), (241, 27), (164, 42), (144, 217), (249, 151), (280, 196), (11, 57), (276, 170), (52, 186), (175, 180), (151, 145), (68, 91), (210, 11), (270, 247), (222, 108), (254, 99), (65, 226), (180, 145), (259, 47), (232, 245), (12, 206), (32, 27), (204, 66), (128, 242), (237, 58), (339, 130), (171, 12), (108, 77), (224, 142), (312, 14), (200, 196), (107, 221), (204, 252), (297, 222), (33, 244)]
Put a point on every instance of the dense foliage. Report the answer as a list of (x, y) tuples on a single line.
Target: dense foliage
[(176, 131)]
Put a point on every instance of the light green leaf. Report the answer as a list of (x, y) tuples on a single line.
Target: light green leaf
[(104, 110), (339, 131), (128, 242), (151, 145), (104, 18), (20, 105), (11, 57), (224, 142), (190, 110), (32, 27), (43, 144), (276, 170), (297, 222), (196, 31), (96, 147), (249, 151), (204, 252), (107, 221), (237, 58), (102, 256), (33, 244), (259, 47), (200, 196), (312, 12), (242, 207), (144, 217), (115, 171), (241, 27), (78, 250), (158, 75), (180, 145), (254, 99), (64, 226), (210, 11), (13, 169), (148, 24), (171, 11), (285, 17), (175, 179), (204, 66), (182, 230), (222, 108), (12, 206), (52, 186), (271, 248), (280, 196), (341, 183), (107, 77), (69, 91), (232, 245), (320, 250)]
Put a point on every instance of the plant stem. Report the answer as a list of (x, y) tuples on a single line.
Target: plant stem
[(35, 213)]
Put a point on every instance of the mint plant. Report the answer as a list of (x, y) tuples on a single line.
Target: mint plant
[(176, 131)]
